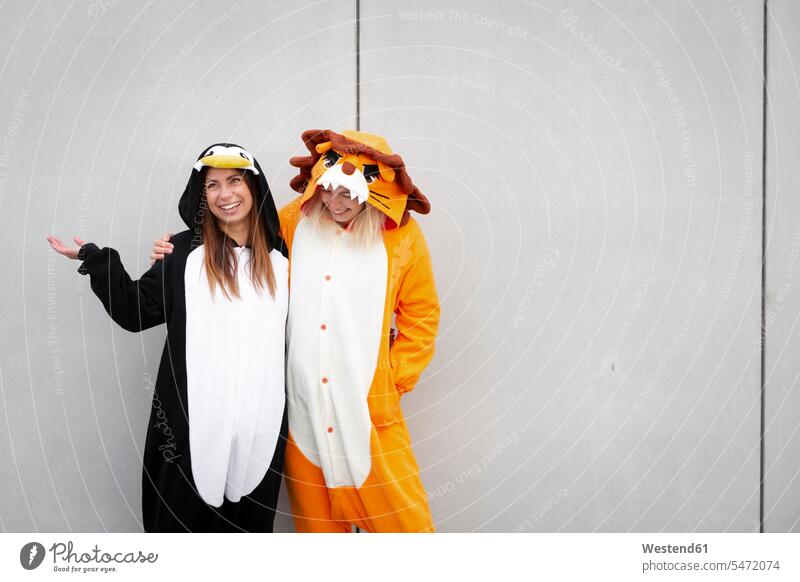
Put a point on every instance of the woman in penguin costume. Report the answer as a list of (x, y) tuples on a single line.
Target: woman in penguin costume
[(213, 456)]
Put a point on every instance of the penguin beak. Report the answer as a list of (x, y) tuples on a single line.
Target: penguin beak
[(224, 161)]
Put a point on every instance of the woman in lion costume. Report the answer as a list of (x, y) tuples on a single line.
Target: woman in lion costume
[(357, 259)]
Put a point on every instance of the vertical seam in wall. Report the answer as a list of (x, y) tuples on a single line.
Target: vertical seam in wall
[(763, 338), (358, 65), (358, 85)]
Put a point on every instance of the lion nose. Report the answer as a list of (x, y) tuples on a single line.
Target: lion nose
[(348, 168)]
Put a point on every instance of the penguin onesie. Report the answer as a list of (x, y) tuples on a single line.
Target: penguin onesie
[(215, 441)]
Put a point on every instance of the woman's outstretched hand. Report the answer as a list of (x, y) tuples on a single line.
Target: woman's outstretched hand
[(161, 247), (62, 249)]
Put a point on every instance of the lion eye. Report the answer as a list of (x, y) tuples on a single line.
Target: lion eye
[(331, 158), (370, 173)]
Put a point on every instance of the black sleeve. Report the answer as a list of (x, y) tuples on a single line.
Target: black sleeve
[(134, 305)]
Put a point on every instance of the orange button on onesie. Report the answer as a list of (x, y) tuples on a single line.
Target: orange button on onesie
[(349, 459)]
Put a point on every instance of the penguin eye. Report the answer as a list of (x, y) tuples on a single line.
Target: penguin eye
[(370, 173), (331, 158), (244, 155)]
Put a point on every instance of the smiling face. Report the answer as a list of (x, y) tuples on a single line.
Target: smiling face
[(228, 195), (339, 205)]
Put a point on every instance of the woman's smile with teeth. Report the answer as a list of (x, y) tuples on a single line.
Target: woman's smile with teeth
[(230, 206), (340, 204)]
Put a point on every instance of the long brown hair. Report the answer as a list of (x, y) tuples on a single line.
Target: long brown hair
[(221, 260)]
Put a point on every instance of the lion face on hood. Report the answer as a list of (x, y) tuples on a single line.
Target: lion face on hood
[(365, 165)]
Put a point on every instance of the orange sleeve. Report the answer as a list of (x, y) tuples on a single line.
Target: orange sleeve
[(289, 216), (416, 318)]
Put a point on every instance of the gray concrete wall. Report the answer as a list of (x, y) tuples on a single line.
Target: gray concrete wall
[(589, 170), (782, 300), (595, 172)]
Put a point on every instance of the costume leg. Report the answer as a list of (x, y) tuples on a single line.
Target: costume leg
[(170, 502), (392, 499), (255, 512), (308, 495)]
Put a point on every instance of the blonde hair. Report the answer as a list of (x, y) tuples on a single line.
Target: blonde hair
[(220, 259), (367, 227)]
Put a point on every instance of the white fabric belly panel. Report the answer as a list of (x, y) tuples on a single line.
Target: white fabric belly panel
[(330, 421), (235, 352)]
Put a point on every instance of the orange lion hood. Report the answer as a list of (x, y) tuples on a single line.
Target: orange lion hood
[(366, 165)]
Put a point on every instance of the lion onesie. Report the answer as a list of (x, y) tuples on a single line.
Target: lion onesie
[(349, 460)]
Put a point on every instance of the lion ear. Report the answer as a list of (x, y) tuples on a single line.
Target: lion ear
[(323, 147), (312, 137), (386, 172)]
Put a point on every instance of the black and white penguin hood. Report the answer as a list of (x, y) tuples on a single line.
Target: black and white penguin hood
[(229, 155)]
